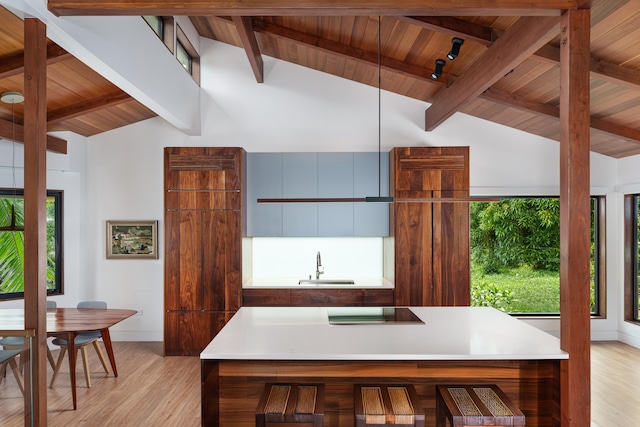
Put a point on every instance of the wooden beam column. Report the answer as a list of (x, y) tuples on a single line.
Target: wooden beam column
[(35, 218), (575, 403)]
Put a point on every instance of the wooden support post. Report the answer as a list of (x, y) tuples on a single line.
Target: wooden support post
[(575, 218), (35, 218)]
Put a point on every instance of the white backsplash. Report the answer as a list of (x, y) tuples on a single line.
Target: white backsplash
[(346, 257)]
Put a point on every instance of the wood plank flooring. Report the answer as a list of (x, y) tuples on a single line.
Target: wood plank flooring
[(152, 390)]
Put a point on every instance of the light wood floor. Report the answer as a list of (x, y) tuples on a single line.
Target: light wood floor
[(152, 390)]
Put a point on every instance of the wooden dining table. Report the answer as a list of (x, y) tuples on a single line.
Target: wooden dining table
[(67, 323)]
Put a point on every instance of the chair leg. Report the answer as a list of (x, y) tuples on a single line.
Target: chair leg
[(17, 374), (101, 356), (85, 364), (50, 358), (56, 370)]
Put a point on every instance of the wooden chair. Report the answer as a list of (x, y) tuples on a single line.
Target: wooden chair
[(387, 405), (82, 340), (18, 343), (8, 358), (476, 405), (283, 404)]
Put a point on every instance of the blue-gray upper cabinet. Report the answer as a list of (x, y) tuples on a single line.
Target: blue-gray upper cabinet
[(311, 175), (371, 178), (299, 180), (264, 180), (335, 180)]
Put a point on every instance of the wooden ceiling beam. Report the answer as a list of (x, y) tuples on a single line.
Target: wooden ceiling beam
[(525, 37), (311, 7), (81, 108), (514, 101), (244, 26), (456, 27), (13, 65), (485, 35), (7, 129)]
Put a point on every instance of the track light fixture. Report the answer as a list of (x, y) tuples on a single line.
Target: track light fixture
[(455, 48), (437, 72)]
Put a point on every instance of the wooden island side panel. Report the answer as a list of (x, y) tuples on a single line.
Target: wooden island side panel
[(231, 389)]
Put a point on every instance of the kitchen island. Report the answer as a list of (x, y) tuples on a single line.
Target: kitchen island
[(339, 347)]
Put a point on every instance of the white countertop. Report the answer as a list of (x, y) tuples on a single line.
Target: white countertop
[(448, 333), (292, 283)]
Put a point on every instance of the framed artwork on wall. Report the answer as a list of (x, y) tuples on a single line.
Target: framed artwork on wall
[(132, 239)]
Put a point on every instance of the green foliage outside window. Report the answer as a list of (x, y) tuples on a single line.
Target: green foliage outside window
[(12, 245), (515, 254)]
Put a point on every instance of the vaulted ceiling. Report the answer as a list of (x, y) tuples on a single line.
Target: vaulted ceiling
[(507, 71)]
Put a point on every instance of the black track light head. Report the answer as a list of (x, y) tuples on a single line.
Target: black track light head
[(455, 48), (437, 72)]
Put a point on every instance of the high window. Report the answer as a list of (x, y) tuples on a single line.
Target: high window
[(12, 243), (177, 42), (632, 257), (515, 255)]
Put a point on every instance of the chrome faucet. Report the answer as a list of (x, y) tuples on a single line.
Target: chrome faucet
[(319, 266)]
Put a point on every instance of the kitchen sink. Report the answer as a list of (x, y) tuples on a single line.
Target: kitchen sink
[(326, 282)]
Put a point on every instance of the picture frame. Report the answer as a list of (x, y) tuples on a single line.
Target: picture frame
[(132, 239)]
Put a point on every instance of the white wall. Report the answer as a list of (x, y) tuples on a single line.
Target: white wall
[(296, 109)]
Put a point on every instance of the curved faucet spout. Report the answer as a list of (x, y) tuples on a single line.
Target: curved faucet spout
[(319, 267)]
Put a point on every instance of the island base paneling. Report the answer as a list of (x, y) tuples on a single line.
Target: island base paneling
[(288, 297), (231, 389)]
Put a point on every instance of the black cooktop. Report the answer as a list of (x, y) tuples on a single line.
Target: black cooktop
[(369, 315)]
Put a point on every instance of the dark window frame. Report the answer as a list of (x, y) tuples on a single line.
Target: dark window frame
[(58, 195), (600, 276), (631, 312)]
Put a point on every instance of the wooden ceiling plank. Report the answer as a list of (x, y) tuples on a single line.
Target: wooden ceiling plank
[(244, 25), (359, 55), (525, 37), (310, 7), (85, 107), (7, 129), (13, 65)]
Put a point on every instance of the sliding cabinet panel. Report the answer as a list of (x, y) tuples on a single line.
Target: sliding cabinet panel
[(183, 263), (222, 281), (187, 333)]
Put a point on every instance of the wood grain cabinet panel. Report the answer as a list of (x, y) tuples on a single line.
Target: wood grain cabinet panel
[(431, 254), (204, 223)]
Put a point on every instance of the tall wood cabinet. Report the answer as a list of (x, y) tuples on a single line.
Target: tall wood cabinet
[(204, 224), (431, 239)]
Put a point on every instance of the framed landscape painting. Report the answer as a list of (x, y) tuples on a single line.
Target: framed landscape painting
[(132, 239)]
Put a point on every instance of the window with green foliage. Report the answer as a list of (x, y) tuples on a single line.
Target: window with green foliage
[(515, 254), (12, 243), (632, 257)]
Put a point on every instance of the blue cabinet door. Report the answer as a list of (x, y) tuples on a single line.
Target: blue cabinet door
[(335, 180), (300, 180), (371, 178), (264, 180)]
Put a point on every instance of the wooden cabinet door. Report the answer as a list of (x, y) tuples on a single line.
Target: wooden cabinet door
[(432, 265), (222, 260), (204, 199), (183, 263)]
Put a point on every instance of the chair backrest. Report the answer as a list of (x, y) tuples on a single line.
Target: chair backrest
[(51, 304), (92, 304)]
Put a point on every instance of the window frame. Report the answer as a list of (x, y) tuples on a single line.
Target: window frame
[(631, 258), (600, 277), (58, 196), (183, 40), (167, 35)]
